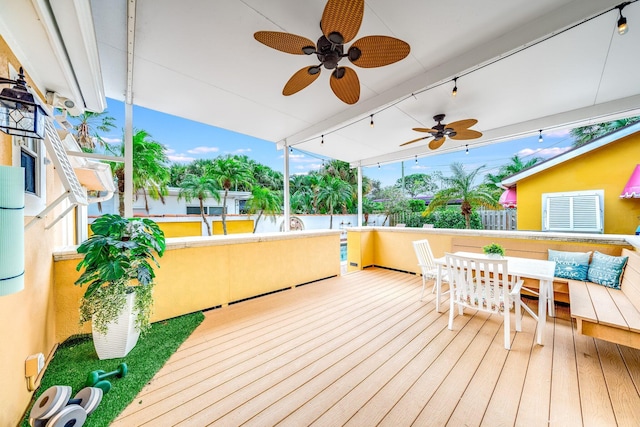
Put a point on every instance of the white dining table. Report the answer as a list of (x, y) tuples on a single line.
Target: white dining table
[(541, 270)]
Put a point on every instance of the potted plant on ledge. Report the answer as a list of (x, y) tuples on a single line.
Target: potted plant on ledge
[(118, 264), (493, 250)]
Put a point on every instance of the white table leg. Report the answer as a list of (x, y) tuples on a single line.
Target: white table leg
[(438, 288), (543, 296), (551, 300)]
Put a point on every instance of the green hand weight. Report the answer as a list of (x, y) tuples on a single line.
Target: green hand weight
[(96, 376)]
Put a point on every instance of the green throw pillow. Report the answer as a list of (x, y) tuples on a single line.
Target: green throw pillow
[(606, 269), (570, 265)]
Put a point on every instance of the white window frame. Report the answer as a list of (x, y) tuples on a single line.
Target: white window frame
[(575, 203), (33, 203)]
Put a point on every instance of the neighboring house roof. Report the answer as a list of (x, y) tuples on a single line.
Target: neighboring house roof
[(572, 154)]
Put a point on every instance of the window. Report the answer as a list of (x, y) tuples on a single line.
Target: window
[(208, 210), (29, 154), (573, 211)]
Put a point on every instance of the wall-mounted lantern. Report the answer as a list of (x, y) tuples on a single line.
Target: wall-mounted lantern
[(20, 114)]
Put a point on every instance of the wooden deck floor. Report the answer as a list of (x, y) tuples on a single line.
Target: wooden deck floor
[(362, 350)]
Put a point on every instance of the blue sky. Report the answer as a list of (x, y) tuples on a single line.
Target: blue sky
[(187, 140)]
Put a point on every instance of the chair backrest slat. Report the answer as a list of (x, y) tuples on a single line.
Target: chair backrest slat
[(478, 283), (423, 252)]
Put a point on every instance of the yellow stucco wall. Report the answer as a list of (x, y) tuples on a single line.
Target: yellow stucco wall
[(177, 228), (607, 168), (233, 227), (27, 323), (204, 272)]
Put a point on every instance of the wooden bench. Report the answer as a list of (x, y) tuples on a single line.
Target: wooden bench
[(610, 314)]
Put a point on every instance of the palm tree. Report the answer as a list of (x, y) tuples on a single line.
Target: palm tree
[(264, 201), (333, 193), (87, 127), (460, 187), (150, 169), (584, 134), (516, 165), (228, 172), (201, 188)]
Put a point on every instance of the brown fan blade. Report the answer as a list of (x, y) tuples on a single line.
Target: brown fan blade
[(347, 88), (461, 125), (467, 134), (342, 17), (415, 140), (425, 130), (284, 42), (301, 79), (436, 143), (378, 51)]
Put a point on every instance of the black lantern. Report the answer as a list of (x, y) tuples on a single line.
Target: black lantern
[(19, 113)]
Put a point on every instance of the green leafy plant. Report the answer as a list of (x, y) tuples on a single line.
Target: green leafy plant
[(119, 258), (493, 248)]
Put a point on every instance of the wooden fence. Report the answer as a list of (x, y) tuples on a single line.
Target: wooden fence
[(498, 220)]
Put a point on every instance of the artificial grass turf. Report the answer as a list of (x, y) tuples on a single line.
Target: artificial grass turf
[(76, 357)]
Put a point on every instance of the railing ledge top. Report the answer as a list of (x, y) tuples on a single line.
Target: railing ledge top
[(70, 252), (613, 239)]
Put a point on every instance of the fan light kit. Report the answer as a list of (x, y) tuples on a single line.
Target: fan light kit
[(456, 130), (340, 23)]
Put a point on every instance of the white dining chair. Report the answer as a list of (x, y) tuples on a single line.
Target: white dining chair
[(484, 285), (427, 265)]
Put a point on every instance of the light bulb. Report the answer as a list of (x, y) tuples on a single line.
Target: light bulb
[(540, 139), (622, 25), (371, 124), (322, 140), (454, 92), (416, 159), (467, 151)]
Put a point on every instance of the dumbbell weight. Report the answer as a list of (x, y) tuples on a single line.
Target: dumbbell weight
[(95, 377), (71, 415), (56, 398)]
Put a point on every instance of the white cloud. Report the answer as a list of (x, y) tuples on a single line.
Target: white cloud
[(170, 151), (112, 140), (181, 158), (543, 152), (420, 167), (203, 150), (242, 151)]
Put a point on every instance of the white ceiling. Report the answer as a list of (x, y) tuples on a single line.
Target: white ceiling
[(198, 59)]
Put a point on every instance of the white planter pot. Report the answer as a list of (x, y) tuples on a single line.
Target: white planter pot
[(122, 334)]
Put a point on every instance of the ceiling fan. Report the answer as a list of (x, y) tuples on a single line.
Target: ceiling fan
[(340, 23), (456, 130)]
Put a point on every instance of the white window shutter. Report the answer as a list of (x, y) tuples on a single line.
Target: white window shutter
[(578, 211)]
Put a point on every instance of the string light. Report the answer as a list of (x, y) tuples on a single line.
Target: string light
[(291, 149), (371, 124), (378, 165), (467, 151), (416, 159), (322, 140), (540, 139), (622, 21), (454, 92)]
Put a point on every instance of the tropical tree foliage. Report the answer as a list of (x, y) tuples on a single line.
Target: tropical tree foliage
[(418, 183), (392, 201), (150, 168), (460, 186), (264, 201), (584, 134), (200, 187), (229, 173), (334, 193), (87, 125)]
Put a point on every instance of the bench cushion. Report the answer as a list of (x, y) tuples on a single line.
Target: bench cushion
[(570, 265), (606, 269)]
